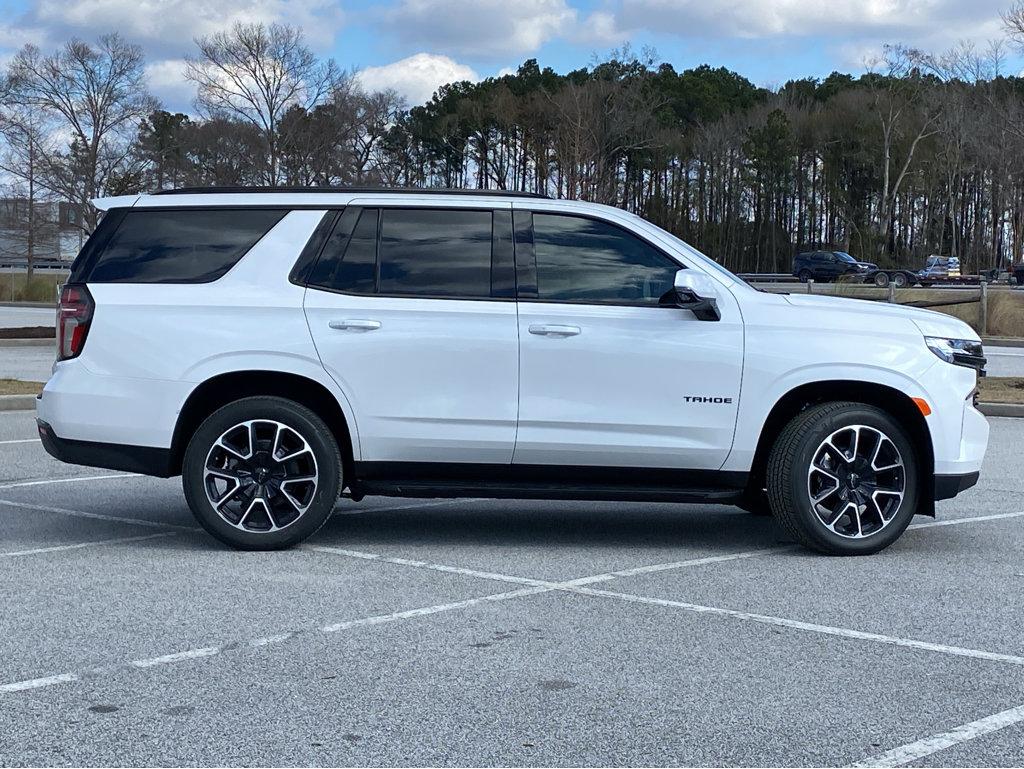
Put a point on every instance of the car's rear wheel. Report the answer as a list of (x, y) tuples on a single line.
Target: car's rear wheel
[(881, 279), (805, 275), (843, 479), (900, 279), (262, 473)]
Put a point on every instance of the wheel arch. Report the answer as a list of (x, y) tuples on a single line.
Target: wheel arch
[(224, 388), (894, 402)]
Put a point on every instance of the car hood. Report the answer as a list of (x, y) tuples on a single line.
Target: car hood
[(929, 322)]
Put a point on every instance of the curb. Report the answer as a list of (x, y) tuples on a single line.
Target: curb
[(17, 402), (41, 342), (1002, 341), (1002, 409)]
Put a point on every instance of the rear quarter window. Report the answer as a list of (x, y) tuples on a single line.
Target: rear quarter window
[(180, 246)]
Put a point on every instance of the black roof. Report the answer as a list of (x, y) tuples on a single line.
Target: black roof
[(396, 190)]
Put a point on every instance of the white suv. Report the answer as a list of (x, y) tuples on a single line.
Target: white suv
[(280, 347)]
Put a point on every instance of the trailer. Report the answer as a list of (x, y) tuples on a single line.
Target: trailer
[(937, 271)]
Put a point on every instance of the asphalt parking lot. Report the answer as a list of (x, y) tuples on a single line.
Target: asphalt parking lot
[(413, 632)]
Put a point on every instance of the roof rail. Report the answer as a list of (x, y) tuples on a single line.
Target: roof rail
[(395, 190)]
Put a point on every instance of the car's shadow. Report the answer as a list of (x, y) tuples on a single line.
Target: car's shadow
[(552, 525)]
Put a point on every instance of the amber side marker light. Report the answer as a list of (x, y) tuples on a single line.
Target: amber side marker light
[(922, 406)]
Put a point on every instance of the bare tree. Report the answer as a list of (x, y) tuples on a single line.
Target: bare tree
[(906, 115), (98, 95), (256, 73), (27, 145)]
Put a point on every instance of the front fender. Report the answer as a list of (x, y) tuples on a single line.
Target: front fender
[(757, 403)]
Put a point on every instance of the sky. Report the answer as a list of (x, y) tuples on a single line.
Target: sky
[(415, 45)]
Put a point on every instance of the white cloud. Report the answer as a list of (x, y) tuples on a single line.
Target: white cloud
[(483, 28), (910, 21), (167, 27), (416, 77), (600, 28), (167, 82)]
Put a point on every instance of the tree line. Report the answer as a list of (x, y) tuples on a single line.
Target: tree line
[(920, 154)]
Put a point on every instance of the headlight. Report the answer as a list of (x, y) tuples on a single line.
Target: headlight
[(959, 352)]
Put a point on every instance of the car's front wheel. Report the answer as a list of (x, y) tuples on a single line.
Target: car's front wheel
[(843, 479), (262, 473)]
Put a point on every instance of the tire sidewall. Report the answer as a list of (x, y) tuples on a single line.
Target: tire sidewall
[(808, 520), (295, 416)]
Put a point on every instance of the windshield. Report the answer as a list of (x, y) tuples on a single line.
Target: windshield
[(842, 256)]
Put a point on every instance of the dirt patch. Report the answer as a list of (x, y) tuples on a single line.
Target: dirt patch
[(28, 332), (18, 387), (1001, 389)]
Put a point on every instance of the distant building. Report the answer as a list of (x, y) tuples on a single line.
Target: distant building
[(58, 231)]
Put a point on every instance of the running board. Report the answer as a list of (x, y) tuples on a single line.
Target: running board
[(440, 480)]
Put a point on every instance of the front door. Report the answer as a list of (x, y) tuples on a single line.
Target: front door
[(608, 377)]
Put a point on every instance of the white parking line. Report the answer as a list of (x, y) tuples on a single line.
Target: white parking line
[(549, 584), (50, 481), (97, 516), (78, 545), (161, 524), (428, 610), (578, 586), (535, 587), (970, 519), (810, 627), (212, 651), (19, 440), (922, 748)]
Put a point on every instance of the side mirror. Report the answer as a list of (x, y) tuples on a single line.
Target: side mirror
[(694, 291)]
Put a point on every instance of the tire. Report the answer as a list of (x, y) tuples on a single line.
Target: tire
[(881, 279), (804, 276), (900, 280), (799, 466), (272, 504)]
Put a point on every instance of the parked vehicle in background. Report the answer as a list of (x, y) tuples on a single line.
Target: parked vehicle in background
[(277, 348), (939, 269), (825, 266)]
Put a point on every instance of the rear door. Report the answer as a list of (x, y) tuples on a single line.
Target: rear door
[(608, 376), (412, 312)]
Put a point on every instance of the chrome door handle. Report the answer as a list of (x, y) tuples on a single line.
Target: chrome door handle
[(355, 325), (543, 329)]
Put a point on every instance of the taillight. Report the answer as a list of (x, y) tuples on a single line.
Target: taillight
[(74, 314)]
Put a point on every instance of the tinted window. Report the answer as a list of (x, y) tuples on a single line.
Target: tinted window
[(349, 259), (184, 246), (584, 260), (435, 253)]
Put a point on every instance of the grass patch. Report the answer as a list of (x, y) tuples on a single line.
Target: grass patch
[(42, 288), (1001, 389), (18, 387)]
